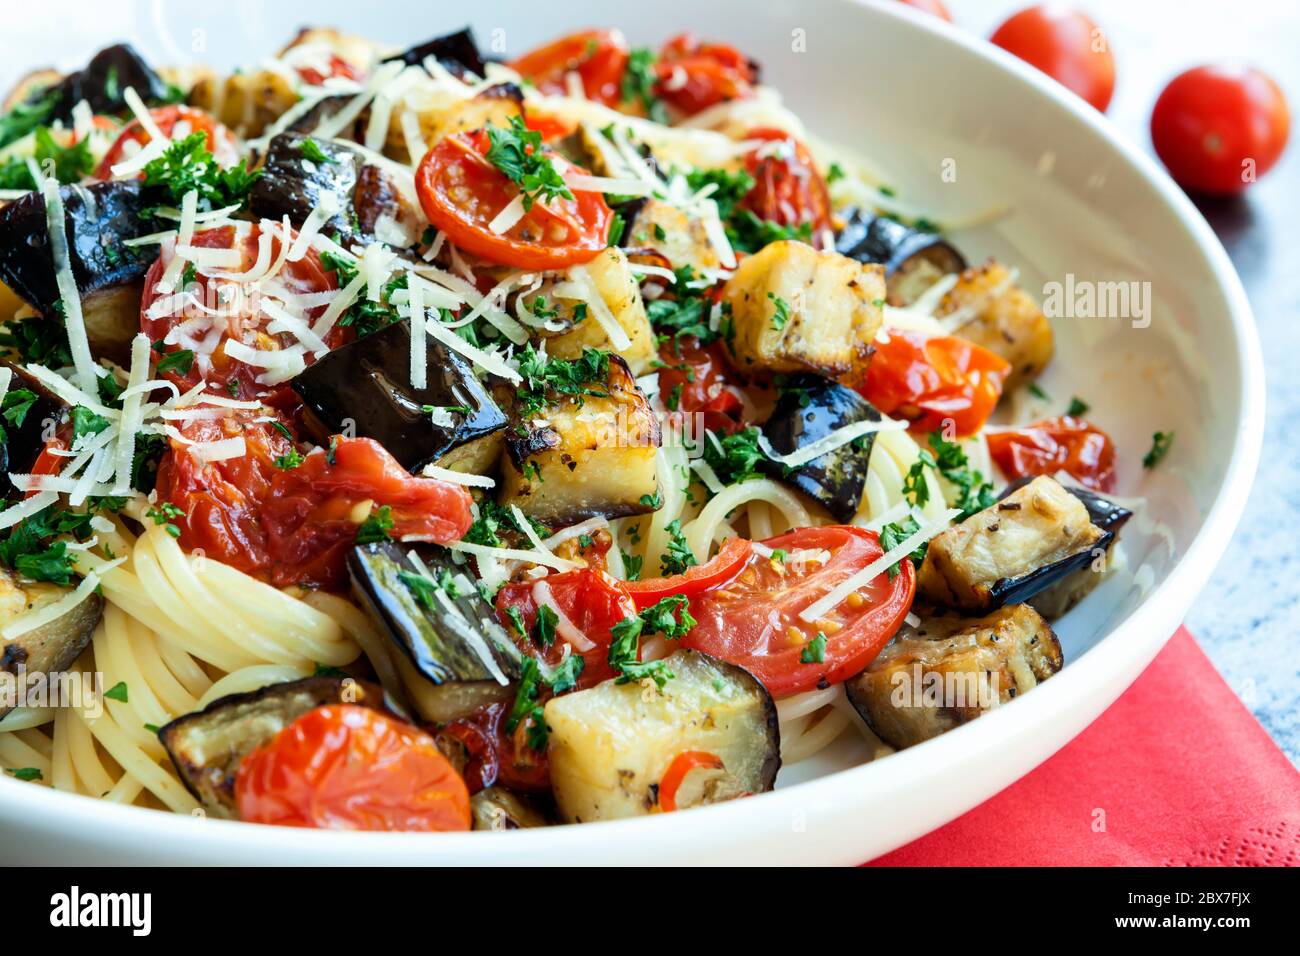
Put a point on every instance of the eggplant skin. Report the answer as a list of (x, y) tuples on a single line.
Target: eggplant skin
[(368, 383), (103, 80), (52, 647), (1016, 548), (611, 744), (208, 746), (456, 52), (20, 445), (1105, 514), (442, 666), (949, 670), (913, 258), (98, 218), (811, 407)]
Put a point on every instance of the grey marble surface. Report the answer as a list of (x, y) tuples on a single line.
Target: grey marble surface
[(1248, 618)]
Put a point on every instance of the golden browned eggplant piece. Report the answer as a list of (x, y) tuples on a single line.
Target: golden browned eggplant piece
[(611, 744), (950, 670), (1012, 550), (499, 809), (246, 102), (663, 228), (579, 458), (208, 746), (52, 647), (618, 288), (1001, 317), (799, 310)]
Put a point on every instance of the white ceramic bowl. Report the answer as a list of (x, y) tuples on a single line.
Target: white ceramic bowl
[(910, 93)]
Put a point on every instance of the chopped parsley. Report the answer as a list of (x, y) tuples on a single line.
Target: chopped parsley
[(639, 81), (377, 527), (180, 362), (892, 535), (25, 773), (67, 164), (517, 152), (730, 187), (163, 515), (780, 311), (493, 518), (544, 626), (544, 377), (38, 341), (1036, 390), (187, 166), (814, 652), (669, 617), (118, 692), (516, 618), (289, 461), (85, 422), (17, 403), (528, 708), (1077, 407), (734, 457), (25, 117), (679, 556), (1161, 442), (31, 549), (973, 492), (311, 150), (632, 565)]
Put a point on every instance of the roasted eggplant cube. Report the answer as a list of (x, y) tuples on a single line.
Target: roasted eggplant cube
[(1105, 514), (795, 309), (913, 259), (98, 218), (368, 383), (1012, 550), (951, 670), (370, 205), (456, 52), (499, 809), (49, 649), (809, 409), (613, 280), (103, 81), (250, 102), (583, 457), (1003, 319), (208, 746), (611, 744), (23, 441), (665, 229), (461, 656)]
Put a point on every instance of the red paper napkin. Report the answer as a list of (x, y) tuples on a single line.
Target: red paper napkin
[(1176, 772)]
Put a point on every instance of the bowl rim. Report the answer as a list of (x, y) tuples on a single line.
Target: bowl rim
[(1113, 663)]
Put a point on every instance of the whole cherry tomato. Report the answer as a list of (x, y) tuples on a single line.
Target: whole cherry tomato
[(694, 76), (1065, 45), (344, 767), (598, 57), (1218, 128)]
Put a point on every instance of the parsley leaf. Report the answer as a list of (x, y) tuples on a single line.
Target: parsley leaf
[(187, 166), (639, 81), (733, 457), (180, 362), (377, 527), (311, 150), (1077, 407), (17, 403), (517, 152), (814, 652), (892, 535), (679, 556), (780, 311), (118, 692), (544, 377), (1161, 442)]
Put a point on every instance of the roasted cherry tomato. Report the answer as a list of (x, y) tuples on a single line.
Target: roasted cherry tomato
[(294, 525), (462, 193), (344, 767), (694, 76), (174, 122), (1218, 128), (754, 620), (551, 127), (933, 381), (787, 189), (1071, 445), (496, 756), (1065, 45), (694, 379), (590, 600), (714, 573), (338, 67), (598, 57), (238, 315), (682, 765), (935, 7)]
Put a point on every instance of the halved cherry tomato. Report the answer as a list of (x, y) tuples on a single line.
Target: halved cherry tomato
[(240, 317), (337, 67), (694, 76), (754, 620), (599, 57), (787, 188), (496, 756), (591, 599), (1218, 128), (714, 573), (462, 192), (295, 525), (1065, 45), (551, 127), (683, 764), (344, 767), (935, 7), (1074, 446), (933, 381), (693, 379), (174, 122)]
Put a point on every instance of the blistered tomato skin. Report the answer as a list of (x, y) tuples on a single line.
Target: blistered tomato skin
[(344, 767), (1072, 445)]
